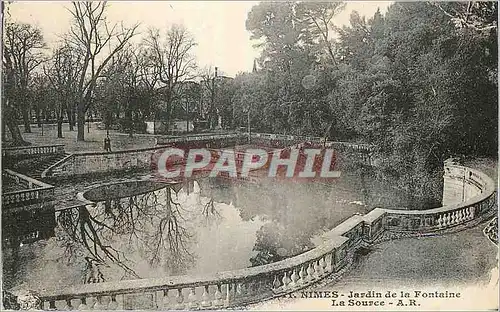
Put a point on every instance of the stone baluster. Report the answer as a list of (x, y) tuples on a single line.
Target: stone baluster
[(324, 264), (446, 219), (218, 296), (164, 302), (321, 266), (229, 295), (460, 216), (276, 282), (286, 280), (52, 305), (179, 299), (332, 261), (83, 304), (68, 305), (113, 304), (318, 269), (91, 301), (206, 301), (100, 304), (294, 278), (303, 274), (311, 272), (192, 298), (440, 221)]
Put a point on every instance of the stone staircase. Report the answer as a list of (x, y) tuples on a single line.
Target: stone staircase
[(46, 163), (36, 167)]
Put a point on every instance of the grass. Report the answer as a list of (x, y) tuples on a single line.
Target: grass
[(94, 139)]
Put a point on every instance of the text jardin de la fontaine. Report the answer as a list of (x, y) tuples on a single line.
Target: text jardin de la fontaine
[(375, 298)]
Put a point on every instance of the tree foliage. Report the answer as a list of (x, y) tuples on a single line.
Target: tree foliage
[(414, 82)]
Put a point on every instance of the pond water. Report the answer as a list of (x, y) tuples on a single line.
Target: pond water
[(199, 227)]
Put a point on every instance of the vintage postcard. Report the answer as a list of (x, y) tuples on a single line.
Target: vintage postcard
[(246, 155)]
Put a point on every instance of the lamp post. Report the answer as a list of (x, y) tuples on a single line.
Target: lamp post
[(187, 116), (248, 121)]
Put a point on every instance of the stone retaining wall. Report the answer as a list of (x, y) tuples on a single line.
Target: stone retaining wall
[(141, 159)]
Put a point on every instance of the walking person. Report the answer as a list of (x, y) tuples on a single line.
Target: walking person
[(107, 144)]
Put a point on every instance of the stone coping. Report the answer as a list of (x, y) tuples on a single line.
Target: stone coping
[(37, 183), (13, 148), (334, 240), (165, 143)]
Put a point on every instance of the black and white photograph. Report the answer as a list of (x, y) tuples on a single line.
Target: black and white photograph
[(249, 155)]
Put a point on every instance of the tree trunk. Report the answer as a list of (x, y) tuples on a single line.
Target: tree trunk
[(80, 116), (60, 119), (73, 119), (38, 117), (11, 122), (129, 119), (59, 127), (70, 119), (26, 120)]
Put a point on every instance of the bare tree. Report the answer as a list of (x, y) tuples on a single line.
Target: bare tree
[(63, 72), (91, 36), (209, 86), (173, 60), (22, 54)]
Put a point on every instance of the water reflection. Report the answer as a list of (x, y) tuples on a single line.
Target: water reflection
[(162, 232), (204, 226), (152, 225)]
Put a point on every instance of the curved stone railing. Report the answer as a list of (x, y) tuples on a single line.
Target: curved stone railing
[(244, 286), (35, 191), (33, 150), (294, 139)]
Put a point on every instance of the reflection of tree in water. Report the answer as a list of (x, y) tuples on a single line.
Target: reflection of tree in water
[(84, 229), (210, 214), (170, 235), (153, 221)]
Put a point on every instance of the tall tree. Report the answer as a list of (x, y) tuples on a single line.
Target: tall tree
[(173, 59), (63, 72), (317, 22), (22, 55), (92, 37)]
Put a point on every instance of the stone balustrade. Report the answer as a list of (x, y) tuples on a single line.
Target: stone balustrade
[(201, 137), (36, 191), (142, 159), (244, 286), (33, 150)]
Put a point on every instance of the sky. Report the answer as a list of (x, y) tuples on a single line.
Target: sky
[(217, 26)]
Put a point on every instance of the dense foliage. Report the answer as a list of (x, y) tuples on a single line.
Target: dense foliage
[(411, 82)]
